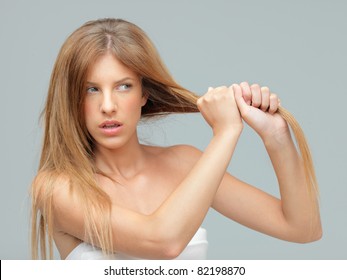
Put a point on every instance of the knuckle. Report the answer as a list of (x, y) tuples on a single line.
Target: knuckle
[(207, 98), (265, 90), (264, 106), (236, 87), (222, 88), (255, 86), (200, 101)]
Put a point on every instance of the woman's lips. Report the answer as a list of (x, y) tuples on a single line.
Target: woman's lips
[(111, 127)]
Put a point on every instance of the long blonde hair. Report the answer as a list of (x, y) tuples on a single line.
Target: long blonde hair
[(67, 146)]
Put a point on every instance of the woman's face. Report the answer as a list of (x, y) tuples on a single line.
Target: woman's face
[(113, 102)]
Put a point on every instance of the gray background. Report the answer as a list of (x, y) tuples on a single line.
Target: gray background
[(297, 48)]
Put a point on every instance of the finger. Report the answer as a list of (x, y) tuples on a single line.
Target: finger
[(239, 99), (220, 88), (246, 93), (273, 103), (256, 96), (199, 102), (265, 98)]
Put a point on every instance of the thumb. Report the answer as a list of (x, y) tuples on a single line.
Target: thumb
[(241, 103)]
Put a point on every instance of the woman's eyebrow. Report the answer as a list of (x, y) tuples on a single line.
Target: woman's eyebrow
[(116, 82)]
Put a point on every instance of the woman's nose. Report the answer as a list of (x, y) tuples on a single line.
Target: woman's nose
[(109, 104)]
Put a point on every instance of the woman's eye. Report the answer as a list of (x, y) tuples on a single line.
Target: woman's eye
[(92, 90), (124, 87)]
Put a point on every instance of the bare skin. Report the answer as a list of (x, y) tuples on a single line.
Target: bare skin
[(166, 192)]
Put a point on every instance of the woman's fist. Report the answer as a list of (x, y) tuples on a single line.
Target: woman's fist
[(258, 107), (220, 110)]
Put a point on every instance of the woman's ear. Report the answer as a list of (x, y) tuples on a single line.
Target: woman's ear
[(145, 95), (144, 100)]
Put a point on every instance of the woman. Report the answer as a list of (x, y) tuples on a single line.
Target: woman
[(100, 193)]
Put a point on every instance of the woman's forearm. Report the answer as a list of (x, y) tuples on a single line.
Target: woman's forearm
[(183, 212), (299, 208)]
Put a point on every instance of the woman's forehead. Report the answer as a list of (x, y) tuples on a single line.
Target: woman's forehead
[(106, 66)]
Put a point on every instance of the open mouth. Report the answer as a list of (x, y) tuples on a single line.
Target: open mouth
[(109, 126)]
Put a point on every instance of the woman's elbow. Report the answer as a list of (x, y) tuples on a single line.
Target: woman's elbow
[(309, 235), (171, 250), (164, 246), (317, 235)]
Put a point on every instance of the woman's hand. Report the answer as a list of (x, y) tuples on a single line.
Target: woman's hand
[(220, 111), (258, 107)]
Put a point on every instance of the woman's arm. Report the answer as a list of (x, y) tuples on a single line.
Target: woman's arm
[(295, 217), (166, 232)]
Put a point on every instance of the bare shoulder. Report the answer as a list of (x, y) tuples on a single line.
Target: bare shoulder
[(52, 193), (46, 185), (185, 155), (185, 150), (53, 196)]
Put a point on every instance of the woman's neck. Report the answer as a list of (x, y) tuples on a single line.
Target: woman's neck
[(125, 162)]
